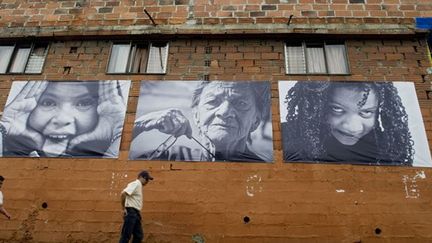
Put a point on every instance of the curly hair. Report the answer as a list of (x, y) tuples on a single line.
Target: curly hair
[(307, 106)]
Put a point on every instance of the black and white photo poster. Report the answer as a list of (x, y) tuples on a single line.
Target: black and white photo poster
[(203, 121), (64, 119), (374, 123)]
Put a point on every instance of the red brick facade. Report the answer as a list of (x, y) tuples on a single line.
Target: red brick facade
[(194, 201)]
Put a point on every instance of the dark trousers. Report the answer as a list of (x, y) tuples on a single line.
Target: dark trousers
[(132, 227)]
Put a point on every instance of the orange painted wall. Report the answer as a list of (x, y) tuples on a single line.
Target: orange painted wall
[(298, 202)]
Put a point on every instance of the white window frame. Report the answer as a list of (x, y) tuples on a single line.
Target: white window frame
[(9, 63), (304, 45), (151, 48)]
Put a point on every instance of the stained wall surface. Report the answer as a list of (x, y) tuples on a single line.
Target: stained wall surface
[(191, 202)]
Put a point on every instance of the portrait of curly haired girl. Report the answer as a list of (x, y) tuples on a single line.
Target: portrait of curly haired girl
[(346, 122)]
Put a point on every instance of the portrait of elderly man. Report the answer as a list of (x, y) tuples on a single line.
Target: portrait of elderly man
[(203, 121)]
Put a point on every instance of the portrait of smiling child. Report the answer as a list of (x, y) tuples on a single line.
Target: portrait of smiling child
[(63, 119), (346, 122)]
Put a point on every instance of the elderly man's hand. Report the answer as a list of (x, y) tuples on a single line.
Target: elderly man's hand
[(171, 121)]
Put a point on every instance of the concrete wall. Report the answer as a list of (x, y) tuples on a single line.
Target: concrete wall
[(210, 201)]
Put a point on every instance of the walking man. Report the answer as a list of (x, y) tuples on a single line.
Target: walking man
[(131, 200), (2, 209)]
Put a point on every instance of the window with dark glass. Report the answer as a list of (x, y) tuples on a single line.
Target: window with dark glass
[(316, 58), (138, 58), (22, 58)]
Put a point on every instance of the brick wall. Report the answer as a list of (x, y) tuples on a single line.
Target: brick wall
[(23, 18), (187, 201), (126, 12), (77, 200)]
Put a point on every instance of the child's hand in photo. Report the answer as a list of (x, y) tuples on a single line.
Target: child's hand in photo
[(16, 114), (110, 111)]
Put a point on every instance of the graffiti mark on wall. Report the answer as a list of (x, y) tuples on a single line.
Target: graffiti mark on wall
[(197, 238), (410, 184), (114, 185), (253, 185)]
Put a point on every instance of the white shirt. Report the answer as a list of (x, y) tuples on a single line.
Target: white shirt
[(134, 195), (1, 198)]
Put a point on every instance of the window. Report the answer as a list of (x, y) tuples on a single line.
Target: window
[(315, 58), (138, 58), (22, 58)]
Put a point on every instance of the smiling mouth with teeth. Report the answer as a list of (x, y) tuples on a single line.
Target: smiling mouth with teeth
[(58, 137)]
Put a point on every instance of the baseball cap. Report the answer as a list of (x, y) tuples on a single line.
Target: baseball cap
[(144, 174)]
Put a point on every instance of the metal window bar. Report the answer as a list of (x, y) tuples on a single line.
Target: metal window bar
[(325, 58), (36, 60), (292, 54)]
